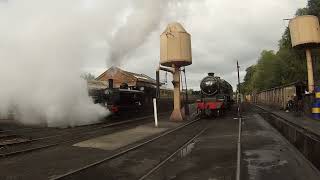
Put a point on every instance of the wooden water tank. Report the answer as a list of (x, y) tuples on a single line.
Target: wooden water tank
[(175, 46), (304, 31)]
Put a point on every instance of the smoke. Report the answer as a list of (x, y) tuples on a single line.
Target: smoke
[(43, 47), (143, 18)]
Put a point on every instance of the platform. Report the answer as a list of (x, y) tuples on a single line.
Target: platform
[(121, 139), (268, 155), (213, 155), (265, 154), (302, 121)]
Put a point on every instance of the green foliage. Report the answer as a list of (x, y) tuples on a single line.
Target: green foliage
[(283, 67), (314, 7), (302, 11), (87, 76)]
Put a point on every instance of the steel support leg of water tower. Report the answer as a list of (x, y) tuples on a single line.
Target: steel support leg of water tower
[(310, 71), (176, 114)]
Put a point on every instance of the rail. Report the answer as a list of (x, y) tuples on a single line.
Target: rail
[(80, 136), (122, 152), (172, 155)]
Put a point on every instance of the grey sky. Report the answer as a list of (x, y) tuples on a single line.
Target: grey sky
[(46, 44), (222, 31)]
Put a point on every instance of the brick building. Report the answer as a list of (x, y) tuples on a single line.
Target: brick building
[(134, 80)]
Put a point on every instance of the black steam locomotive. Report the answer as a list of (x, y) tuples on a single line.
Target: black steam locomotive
[(216, 96), (119, 100)]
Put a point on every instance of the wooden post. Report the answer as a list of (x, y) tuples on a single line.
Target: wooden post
[(310, 71), (155, 112)]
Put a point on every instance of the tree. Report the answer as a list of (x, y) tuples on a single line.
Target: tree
[(314, 7), (247, 86), (286, 65), (87, 76)]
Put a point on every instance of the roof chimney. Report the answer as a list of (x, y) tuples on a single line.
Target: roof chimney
[(110, 81)]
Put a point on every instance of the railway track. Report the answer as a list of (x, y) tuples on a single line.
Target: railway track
[(77, 172), (166, 160), (59, 133), (42, 129), (20, 147)]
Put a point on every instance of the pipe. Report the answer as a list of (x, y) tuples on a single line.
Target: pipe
[(187, 99), (176, 114), (166, 69), (310, 71), (158, 83)]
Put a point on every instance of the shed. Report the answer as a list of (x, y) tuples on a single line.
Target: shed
[(134, 80)]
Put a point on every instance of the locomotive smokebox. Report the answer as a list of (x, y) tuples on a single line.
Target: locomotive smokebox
[(175, 46), (211, 85)]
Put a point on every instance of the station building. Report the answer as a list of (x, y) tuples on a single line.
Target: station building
[(134, 80)]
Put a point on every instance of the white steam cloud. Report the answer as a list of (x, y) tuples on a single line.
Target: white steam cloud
[(44, 43), (144, 17), (42, 46)]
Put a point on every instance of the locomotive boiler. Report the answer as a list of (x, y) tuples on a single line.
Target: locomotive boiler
[(216, 96)]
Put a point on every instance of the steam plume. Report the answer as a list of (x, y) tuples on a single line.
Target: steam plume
[(139, 24), (44, 43), (42, 46)]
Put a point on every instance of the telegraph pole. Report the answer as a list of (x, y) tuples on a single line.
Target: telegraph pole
[(240, 129), (186, 107), (239, 91)]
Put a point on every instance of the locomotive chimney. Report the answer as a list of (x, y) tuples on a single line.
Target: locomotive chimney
[(211, 74), (110, 83)]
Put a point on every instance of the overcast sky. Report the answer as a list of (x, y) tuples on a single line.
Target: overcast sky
[(222, 31)]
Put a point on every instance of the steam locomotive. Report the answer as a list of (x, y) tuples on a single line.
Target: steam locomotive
[(125, 100), (216, 96)]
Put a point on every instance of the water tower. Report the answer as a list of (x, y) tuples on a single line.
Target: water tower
[(305, 34), (175, 52)]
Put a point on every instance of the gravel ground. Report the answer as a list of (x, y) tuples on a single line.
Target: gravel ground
[(46, 163)]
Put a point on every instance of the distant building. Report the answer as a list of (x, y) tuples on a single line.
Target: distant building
[(134, 80)]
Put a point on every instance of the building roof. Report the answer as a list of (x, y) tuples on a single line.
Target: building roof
[(138, 77)]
